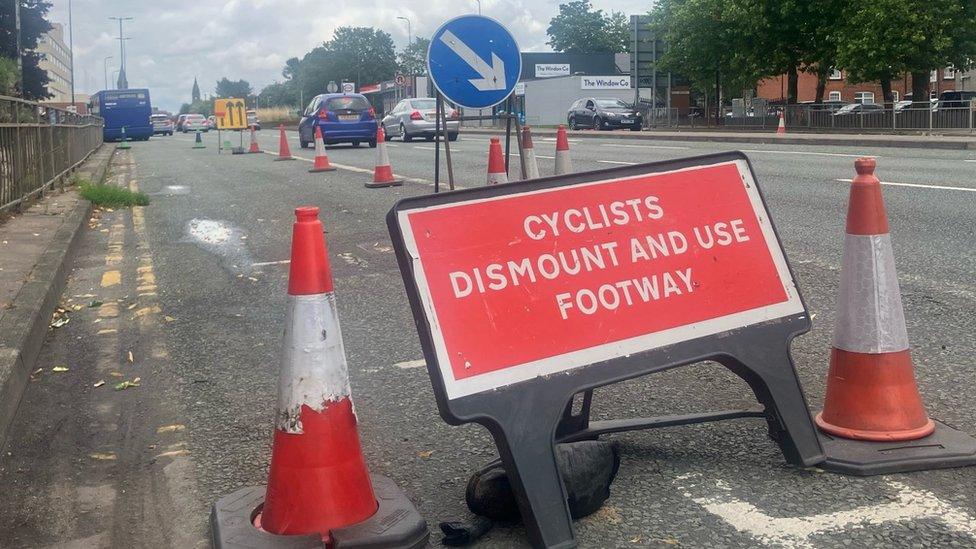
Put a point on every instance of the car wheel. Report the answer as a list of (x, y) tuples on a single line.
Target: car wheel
[(572, 123), (404, 135), (452, 137), (372, 143), (635, 128), (597, 123), (355, 143), (429, 137)]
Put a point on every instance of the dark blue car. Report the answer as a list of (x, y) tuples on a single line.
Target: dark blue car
[(343, 117)]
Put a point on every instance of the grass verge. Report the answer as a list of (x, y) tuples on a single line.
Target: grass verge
[(110, 196)]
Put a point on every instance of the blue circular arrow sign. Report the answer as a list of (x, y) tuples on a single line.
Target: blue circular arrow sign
[(474, 61)]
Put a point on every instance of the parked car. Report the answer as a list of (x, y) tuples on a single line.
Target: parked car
[(252, 120), (417, 118), (603, 114), (955, 99), (859, 108), (343, 118), (161, 124), (831, 106)]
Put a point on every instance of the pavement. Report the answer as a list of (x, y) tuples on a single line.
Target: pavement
[(198, 283)]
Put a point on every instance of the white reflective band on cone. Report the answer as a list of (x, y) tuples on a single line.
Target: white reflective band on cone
[(313, 360), (319, 146), (383, 158), (870, 318), (531, 165)]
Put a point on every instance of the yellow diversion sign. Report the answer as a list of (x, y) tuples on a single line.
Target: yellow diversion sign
[(230, 114)]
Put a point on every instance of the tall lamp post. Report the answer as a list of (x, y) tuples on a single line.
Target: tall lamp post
[(105, 69), (71, 52), (479, 6), (409, 32), (123, 81)]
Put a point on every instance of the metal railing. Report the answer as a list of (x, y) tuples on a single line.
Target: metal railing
[(39, 146), (911, 118)]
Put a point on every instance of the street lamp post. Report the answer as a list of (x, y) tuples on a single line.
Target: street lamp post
[(479, 6), (409, 32), (105, 69), (71, 52), (123, 81)]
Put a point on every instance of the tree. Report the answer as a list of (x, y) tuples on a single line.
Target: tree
[(227, 88), (888, 37), (32, 27), (413, 58), (195, 92), (578, 28), (8, 75), (278, 94)]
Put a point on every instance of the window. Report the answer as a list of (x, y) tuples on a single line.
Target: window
[(934, 76), (864, 97), (835, 74), (949, 73), (833, 96)]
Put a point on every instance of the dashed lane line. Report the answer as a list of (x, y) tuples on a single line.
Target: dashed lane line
[(621, 162), (666, 147), (364, 170), (921, 186), (809, 153)]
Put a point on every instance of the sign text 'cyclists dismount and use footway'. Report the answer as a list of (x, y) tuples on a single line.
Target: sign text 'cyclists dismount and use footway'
[(527, 294)]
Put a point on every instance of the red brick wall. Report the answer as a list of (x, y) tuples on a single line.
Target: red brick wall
[(774, 89)]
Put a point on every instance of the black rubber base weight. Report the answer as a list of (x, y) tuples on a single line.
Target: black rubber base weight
[(945, 448), (375, 185), (396, 523)]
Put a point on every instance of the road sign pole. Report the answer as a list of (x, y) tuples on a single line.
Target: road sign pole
[(508, 133), (437, 144), (521, 147), (447, 145)]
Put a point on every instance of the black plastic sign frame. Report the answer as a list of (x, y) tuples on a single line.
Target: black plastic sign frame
[(523, 416)]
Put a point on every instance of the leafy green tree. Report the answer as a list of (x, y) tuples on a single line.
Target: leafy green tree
[(362, 55), (413, 59), (578, 28), (33, 25), (228, 88), (8, 75), (884, 38), (278, 94)]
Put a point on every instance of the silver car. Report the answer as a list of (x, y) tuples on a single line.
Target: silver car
[(415, 118)]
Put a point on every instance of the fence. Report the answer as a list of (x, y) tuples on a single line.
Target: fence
[(915, 117), (39, 145)]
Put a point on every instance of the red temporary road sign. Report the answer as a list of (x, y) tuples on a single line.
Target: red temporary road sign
[(534, 283)]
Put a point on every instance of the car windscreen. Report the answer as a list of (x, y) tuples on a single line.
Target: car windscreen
[(424, 104), (346, 103), (195, 117), (611, 104), (159, 118)]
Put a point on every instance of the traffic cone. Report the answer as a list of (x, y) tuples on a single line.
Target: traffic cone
[(321, 160), (198, 142), (254, 142), (284, 153), (528, 155), (383, 172), (497, 174), (125, 140), (781, 129), (871, 390), (563, 163), (318, 484)]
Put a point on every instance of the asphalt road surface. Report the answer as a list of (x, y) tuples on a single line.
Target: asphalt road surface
[(139, 467)]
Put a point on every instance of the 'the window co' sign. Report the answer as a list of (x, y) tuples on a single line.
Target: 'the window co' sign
[(532, 282)]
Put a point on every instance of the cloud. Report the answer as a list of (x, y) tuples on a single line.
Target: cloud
[(174, 41)]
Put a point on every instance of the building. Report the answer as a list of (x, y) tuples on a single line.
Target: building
[(838, 88), (56, 62)]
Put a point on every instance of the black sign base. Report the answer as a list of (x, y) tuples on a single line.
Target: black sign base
[(396, 523), (945, 448)]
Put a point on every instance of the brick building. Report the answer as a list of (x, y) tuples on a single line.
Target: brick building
[(839, 89)]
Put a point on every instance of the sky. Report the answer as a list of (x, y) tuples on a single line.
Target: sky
[(174, 41)]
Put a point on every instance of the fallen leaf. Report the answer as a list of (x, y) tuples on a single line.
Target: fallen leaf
[(60, 322), (94, 303), (171, 428), (126, 384), (174, 453), (116, 374), (104, 457), (59, 369), (37, 371), (76, 307), (426, 454), (99, 383), (168, 318), (133, 306), (636, 540), (131, 360)]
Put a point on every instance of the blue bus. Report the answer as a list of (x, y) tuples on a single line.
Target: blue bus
[(123, 108)]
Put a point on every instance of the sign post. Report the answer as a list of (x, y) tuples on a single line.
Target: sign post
[(525, 295), (475, 63), (231, 114)]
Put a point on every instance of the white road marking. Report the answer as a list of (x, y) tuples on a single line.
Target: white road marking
[(410, 364), (810, 153), (266, 263), (644, 146), (906, 505), (364, 170), (616, 162), (940, 187)]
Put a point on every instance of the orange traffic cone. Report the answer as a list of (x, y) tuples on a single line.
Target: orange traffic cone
[(871, 390), (528, 154), (383, 172), (321, 160), (254, 142), (781, 129), (497, 173), (284, 153), (564, 164)]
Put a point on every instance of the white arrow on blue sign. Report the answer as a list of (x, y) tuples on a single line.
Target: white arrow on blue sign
[(474, 61)]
